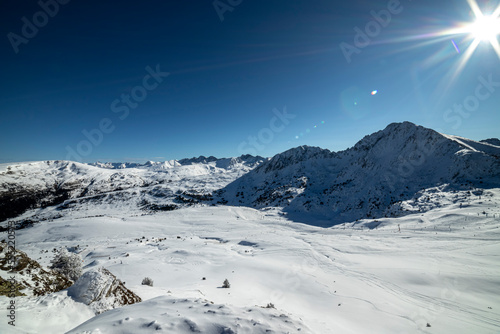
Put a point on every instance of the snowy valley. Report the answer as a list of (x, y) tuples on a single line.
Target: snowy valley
[(398, 234)]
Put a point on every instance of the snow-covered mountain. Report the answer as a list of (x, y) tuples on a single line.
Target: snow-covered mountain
[(369, 180), (375, 178), (154, 185), (430, 266)]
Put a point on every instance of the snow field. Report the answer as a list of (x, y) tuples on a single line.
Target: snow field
[(441, 268)]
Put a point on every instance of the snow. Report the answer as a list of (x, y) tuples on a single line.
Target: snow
[(190, 316), (54, 313), (75, 187), (442, 268)]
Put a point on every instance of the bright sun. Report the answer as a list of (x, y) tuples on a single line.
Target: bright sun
[(483, 34), (486, 28)]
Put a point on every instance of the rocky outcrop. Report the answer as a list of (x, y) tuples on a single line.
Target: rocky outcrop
[(102, 291), (30, 277)]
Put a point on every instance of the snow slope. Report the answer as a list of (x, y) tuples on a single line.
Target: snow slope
[(185, 316), (392, 275)]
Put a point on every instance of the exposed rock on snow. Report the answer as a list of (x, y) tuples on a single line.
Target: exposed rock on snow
[(31, 278), (101, 290)]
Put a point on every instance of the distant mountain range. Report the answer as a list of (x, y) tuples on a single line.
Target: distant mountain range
[(152, 165), (369, 180), (65, 185)]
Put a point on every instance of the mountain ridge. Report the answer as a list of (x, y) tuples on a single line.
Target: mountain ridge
[(367, 180), (64, 184)]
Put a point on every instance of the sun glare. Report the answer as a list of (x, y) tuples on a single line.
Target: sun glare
[(486, 28)]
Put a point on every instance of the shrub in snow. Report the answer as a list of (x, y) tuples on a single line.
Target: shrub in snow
[(147, 281), (67, 264), (226, 284)]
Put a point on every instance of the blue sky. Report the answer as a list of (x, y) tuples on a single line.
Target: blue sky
[(270, 76)]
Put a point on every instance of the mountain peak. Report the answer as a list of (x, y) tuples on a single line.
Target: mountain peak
[(200, 159), (294, 156), (491, 141), (383, 168), (396, 136), (402, 126)]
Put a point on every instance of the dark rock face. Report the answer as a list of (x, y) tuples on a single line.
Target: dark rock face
[(492, 141), (16, 200)]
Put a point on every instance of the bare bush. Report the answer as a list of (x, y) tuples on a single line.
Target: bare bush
[(67, 264), (147, 281)]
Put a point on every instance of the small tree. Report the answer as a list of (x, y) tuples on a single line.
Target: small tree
[(147, 281), (67, 264), (226, 284)]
